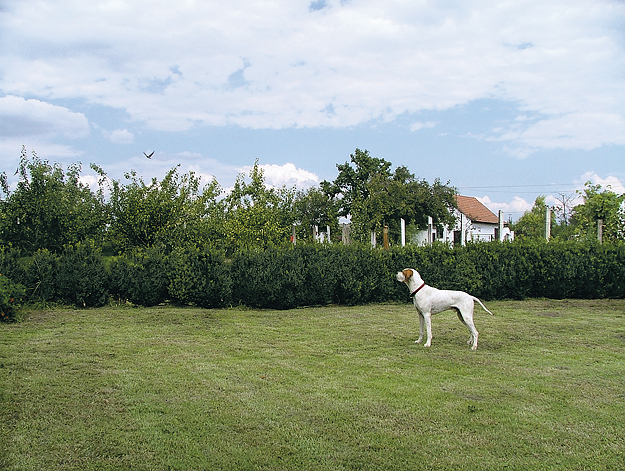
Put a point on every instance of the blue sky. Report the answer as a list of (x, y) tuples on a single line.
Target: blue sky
[(505, 100)]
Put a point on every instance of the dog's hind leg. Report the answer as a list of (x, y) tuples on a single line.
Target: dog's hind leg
[(467, 319), (474, 334), (459, 314)]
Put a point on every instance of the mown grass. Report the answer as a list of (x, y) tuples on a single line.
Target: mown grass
[(318, 388)]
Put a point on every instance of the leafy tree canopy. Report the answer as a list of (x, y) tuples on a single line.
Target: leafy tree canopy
[(351, 182), (314, 207), (601, 204), (375, 196), (50, 207), (532, 224), (170, 212), (257, 216)]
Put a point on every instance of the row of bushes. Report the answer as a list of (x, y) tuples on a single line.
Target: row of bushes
[(305, 275)]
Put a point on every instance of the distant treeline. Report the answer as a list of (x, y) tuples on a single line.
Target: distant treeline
[(51, 207)]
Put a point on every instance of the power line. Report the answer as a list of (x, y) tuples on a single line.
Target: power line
[(523, 192), (510, 187), (524, 189)]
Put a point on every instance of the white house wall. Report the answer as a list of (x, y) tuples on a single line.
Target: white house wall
[(473, 231), (470, 231)]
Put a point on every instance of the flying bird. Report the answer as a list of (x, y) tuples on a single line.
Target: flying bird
[(149, 156)]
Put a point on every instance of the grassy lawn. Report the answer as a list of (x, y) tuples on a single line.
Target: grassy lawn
[(318, 388)]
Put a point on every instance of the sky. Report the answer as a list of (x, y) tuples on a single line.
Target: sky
[(504, 100)]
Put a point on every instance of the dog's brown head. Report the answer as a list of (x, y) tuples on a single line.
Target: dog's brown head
[(405, 275)]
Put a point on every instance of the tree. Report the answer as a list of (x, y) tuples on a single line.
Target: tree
[(563, 208), (402, 196), (351, 182), (374, 196), (601, 204), (257, 216), (50, 207), (562, 229), (314, 207), (532, 224), (172, 212)]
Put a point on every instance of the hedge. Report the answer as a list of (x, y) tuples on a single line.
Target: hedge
[(318, 274), (198, 277), (141, 277)]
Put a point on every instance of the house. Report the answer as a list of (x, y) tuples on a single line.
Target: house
[(474, 222)]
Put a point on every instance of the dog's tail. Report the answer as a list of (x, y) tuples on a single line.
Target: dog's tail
[(481, 304)]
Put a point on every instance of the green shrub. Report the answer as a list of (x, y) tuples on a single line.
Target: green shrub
[(363, 275), (269, 278), (199, 277), (10, 264), (41, 277), (82, 279), (318, 274), (140, 276), (119, 277), (310, 275), (521, 269), (12, 295)]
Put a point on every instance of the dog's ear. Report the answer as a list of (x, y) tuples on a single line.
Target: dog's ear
[(407, 273)]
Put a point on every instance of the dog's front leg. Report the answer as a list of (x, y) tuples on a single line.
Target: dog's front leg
[(421, 326), (428, 328)]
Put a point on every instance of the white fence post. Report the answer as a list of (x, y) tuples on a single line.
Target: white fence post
[(600, 230), (345, 233), (403, 232), (430, 232), (548, 224)]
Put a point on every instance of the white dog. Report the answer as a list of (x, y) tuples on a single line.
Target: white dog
[(429, 301)]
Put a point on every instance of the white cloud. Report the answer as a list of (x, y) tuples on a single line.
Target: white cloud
[(418, 125), (285, 175), (571, 131), (515, 208), (119, 136), (92, 181), (174, 66), (610, 182), (35, 118)]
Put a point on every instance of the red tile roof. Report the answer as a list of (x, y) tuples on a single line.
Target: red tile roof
[(475, 210)]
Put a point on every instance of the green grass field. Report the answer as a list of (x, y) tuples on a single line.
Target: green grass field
[(314, 389)]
